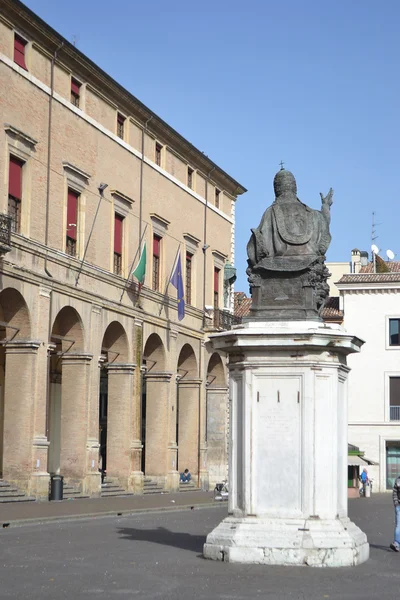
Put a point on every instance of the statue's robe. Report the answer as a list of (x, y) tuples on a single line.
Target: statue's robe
[(290, 237)]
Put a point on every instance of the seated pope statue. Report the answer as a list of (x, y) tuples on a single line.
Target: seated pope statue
[(291, 236)]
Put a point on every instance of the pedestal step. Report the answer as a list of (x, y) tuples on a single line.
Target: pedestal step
[(110, 488), (9, 493)]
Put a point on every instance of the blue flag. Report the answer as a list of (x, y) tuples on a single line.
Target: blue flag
[(177, 281)]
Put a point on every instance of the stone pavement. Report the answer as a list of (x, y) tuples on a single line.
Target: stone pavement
[(19, 513)]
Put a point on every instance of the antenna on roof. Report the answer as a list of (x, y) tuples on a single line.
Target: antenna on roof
[(390, 254)]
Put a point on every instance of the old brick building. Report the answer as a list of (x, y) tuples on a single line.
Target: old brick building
[(89, 364)]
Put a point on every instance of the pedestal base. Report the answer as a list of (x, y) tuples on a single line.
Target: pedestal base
[(307, 542)]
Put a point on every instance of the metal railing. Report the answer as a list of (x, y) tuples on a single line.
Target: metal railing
[(225, 320), (5, 230), (395, 413)]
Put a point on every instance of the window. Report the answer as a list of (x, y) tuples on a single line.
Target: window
[(120, 125), (15, 193), (394, 332), (217, 197), (118, 224), (190, 178), (392, 463), (156, 262), (19, 51), (158, 154), (394, 398), (72, 222), (216, 296), (75, 92), (189, 277)]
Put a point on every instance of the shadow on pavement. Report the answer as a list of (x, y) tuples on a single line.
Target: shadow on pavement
[(165, 537), (378, 547)]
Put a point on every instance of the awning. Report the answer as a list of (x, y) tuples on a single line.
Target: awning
[(355, 460)]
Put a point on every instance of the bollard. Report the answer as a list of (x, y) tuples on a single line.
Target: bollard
[(56, 487), (367, 490)]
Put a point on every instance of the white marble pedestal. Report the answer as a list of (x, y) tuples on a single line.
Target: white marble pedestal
[(288, 447)]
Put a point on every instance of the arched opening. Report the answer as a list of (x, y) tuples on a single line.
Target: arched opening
[(15, 326), (153, 359), (217, 407), (114, 351), (187, 410), (66, 339)]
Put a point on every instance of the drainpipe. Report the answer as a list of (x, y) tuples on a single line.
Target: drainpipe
[(46, 235), (141, 189), (205, 246)]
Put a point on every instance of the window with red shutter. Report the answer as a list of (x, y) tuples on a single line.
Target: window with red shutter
[(158, 154), (217, 197), (72, 222), (156, 262), (19, 51), (216, 296), (75, 92), (15, 192), (189, 277), (118, 224)]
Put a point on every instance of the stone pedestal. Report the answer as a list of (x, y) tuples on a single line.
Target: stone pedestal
[(288, 447)]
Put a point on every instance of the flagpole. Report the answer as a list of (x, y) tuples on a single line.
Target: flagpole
[(169, 278), (133, 262)]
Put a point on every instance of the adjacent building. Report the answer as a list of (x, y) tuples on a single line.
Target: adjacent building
[(96, 370)]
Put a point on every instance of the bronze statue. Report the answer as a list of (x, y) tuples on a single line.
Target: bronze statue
[(286, 256)]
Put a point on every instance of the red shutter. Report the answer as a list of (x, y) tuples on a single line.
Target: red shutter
[(72, 214), (75, 86), (19, 51), (120, 119), (216, 280), (156, 245), (118, 234), (15, 178)]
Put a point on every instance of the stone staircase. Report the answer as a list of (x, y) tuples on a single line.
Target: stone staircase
[(9, 493), (188, 487), (72, 493), (109, 488), (152, 487)]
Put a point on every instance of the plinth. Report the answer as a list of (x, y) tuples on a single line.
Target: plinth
[(288, 447)]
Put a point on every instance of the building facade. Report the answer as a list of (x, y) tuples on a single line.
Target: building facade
[(95, 369)]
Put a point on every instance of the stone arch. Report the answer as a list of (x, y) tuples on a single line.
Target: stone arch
[(68, 331), (216, 371), (154, 353), (115, 343), (187, 363), (14, 311)]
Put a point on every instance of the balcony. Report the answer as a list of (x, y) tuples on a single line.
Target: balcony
[(220, 320), (5, 234), (395, 413)]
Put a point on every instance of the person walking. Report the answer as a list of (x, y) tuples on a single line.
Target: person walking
[(395, 545)]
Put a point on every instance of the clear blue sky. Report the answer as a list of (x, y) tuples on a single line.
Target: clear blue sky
[(310, 82)]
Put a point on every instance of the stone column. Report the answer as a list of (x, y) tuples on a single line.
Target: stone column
[(157, 461), (136, 481), (203, 444), (188, 425), (74, 416), (119, 421), (20, 376), (288, 447), (217, 443)]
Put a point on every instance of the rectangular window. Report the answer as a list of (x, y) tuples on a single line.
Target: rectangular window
[(156, 262), (190, 178), (216, 296), (392, 463), (394, 332), (217, 197), (72, 222), (120, 125), (15, 193), (118, 225), (189, 277), (158, 154), (19, 51), (394, 399), (75, 92)]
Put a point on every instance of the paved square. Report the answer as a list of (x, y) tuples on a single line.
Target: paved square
[(158, 556)]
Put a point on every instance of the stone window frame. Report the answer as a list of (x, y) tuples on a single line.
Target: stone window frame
[(191, 246), (387, 376), (124, 123), (159, 227), (27, 53), (388, 346), (193, 176), (22, 146), (159, 150), (121, 205), (219, 260), (77, 180), (82, 90)]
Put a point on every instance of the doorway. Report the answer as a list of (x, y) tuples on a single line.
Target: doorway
[(103, 407)]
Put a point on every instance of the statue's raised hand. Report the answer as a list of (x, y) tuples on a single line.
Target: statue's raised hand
[(328, 199)]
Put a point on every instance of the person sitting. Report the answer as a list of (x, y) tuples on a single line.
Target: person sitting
[(185, 477)]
